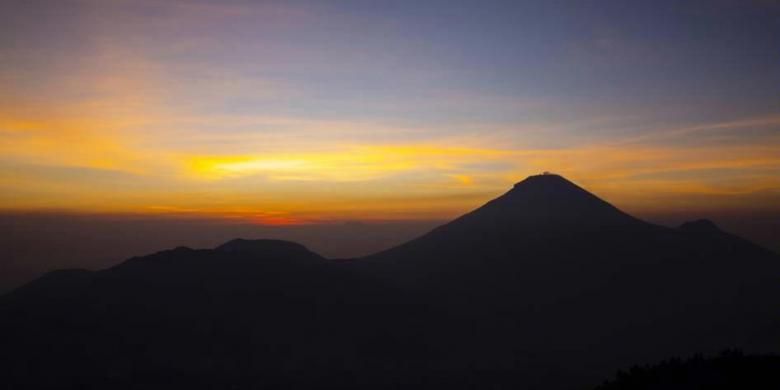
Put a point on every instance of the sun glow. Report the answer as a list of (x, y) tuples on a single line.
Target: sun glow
[(357, 163)]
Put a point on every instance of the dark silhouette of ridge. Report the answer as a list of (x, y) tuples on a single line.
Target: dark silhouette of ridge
[(546, 286), (700, 226), (268, 248), (247, 313)]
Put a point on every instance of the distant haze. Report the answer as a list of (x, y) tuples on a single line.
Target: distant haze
[(34, 244)]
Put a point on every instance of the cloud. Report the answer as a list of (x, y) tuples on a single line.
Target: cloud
[(356, 163), (660, 135)]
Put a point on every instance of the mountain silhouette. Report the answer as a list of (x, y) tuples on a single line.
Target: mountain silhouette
[(546, 201), (546, 286)]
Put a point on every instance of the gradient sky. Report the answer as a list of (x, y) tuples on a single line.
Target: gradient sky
[(295, 111)]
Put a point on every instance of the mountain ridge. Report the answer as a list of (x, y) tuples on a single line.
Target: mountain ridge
[(546, 286)]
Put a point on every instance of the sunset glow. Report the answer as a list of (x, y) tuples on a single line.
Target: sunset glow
[(267, 113)]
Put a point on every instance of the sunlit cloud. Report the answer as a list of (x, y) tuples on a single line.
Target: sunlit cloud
[(357, 163)]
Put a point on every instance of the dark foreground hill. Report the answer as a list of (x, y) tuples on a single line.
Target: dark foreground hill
[(546, 286), (727, 371)]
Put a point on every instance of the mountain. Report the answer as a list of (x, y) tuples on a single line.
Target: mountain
[(568, 279), (247, 313), (547, 286)]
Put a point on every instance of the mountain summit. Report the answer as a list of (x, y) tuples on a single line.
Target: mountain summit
[(549, 200)]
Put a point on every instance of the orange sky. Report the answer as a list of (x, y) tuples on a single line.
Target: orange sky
[(56, 164), (127, 121)]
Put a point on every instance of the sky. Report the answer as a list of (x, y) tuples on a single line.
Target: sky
[(305, 112)]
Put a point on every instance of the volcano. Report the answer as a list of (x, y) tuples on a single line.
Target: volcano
[(546, 286)]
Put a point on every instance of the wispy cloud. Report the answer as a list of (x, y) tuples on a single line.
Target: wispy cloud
[(739, 125)]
